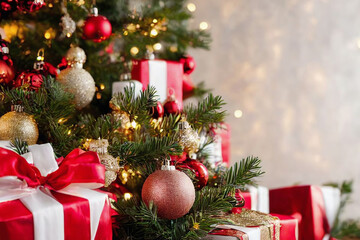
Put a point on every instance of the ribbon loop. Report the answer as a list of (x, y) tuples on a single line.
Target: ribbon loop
[(79, 167)]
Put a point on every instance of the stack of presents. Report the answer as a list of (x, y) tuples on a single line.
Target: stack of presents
[(292, 213), (66, 204)]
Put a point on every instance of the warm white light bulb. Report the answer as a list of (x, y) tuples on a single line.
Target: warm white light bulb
[(238, 113), (191, 7), (203, 25), (127, 196), (157, 46), (134, 51)]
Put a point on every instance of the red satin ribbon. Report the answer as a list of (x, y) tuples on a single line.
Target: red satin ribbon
[(228, 232), (77, 167)]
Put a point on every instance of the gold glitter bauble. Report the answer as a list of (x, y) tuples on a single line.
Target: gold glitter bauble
[(80, 83), (188, 138), (18, 125), (111, 164)]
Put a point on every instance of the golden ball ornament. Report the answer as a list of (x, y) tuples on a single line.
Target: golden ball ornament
[(18, 125), (171, 191), (80, 83)]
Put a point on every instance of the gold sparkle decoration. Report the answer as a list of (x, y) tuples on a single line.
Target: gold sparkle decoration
[(18, 125), (188, 138), (122, 117), (111, 164), (77, 80), (196, 226)]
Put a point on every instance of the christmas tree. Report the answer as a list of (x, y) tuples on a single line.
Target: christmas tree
[(140, 140)]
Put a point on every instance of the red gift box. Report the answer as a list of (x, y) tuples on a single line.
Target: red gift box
[(44, 201), (289, 227), (166, 76), (219, 150), (314, 208), (256, 198)]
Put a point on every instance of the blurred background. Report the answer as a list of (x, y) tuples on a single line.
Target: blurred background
[(290, 73)]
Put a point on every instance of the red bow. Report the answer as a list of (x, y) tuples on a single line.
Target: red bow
[(77, 167)]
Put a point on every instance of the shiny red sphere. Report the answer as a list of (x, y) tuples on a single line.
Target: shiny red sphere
[(29, 81), (171, 107), (29, 5), (97, 28), (201, 172), (7, 72), (158, 111), (7, 6), (189, 64)]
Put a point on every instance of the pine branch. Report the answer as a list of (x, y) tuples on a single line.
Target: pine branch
[(211, 201), (137, 108), (340, 228), (243, 173), (63, 138), (166, 127), (146, 154), (206, 113), (20, 147), (102, 127)]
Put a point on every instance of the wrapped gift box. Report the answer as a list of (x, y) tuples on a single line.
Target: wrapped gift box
[(165, 76), (44, 201), (256, 198), (219, 149), (248, 225), (289, 227), (314, 207)]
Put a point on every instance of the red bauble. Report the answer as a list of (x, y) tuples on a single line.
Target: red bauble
[(7, 72), (97, 28), (4, 46), (30, 5), (158, 111), (189, 64), (49, 69), (171, 191), (179, 159), (171, 106), (29, 81), (45, 69), (201, 172), (7, 6), (236, 210)]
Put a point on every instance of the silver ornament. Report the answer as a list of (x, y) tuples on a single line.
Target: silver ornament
[(111, 164), (76, 57), (68, 25)]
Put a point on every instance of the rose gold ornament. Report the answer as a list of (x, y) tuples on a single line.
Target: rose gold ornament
[(170, 190)]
